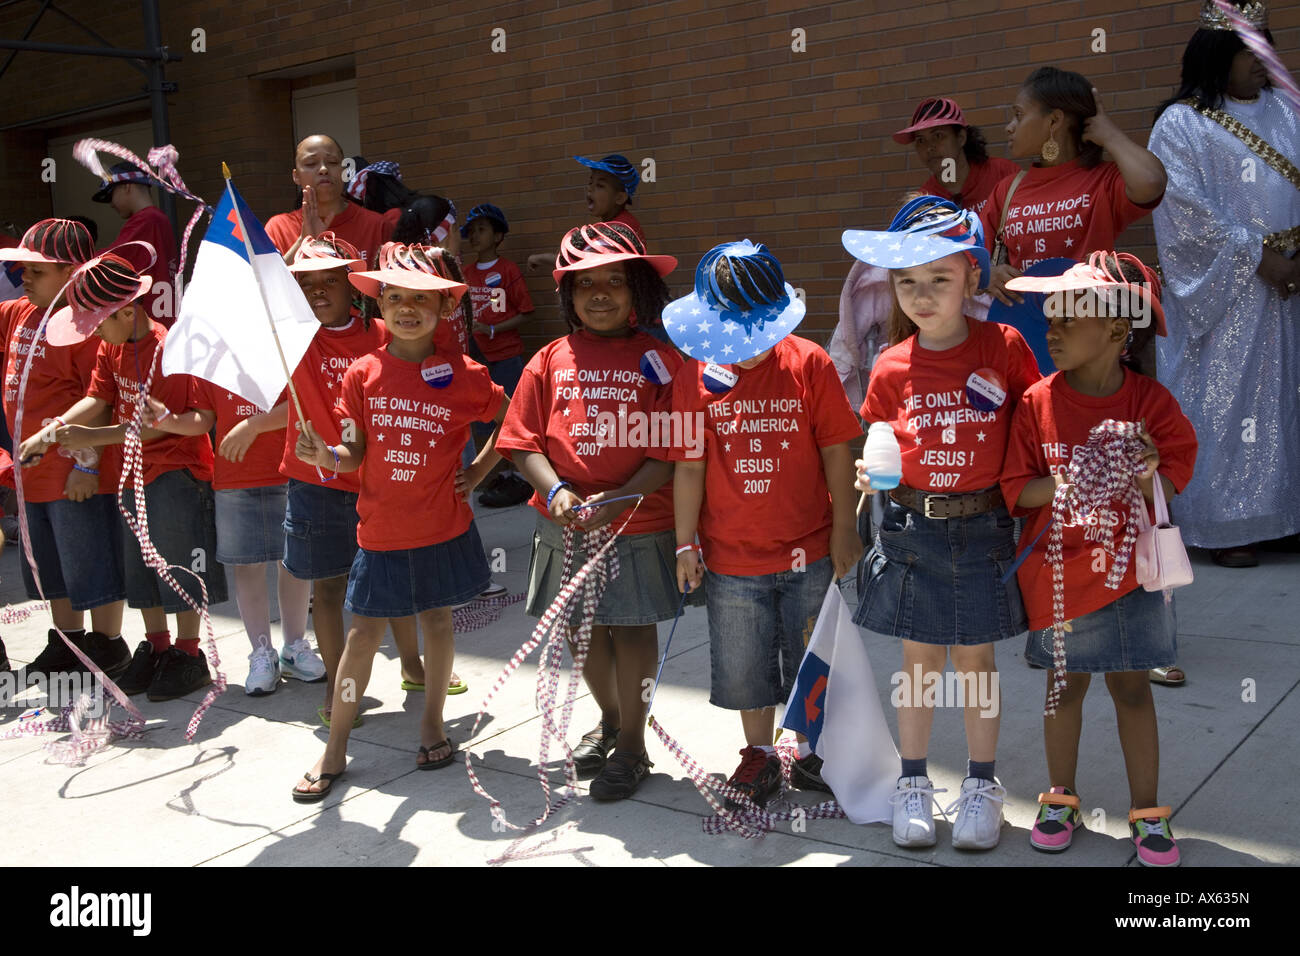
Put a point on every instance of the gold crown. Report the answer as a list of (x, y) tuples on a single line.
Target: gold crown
[(1255, 13)]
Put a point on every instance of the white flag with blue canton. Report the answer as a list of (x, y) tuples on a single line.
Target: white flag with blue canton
[(836, 706), (222, 334)]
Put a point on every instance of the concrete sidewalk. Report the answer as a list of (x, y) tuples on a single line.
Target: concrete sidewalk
[(224, 799)]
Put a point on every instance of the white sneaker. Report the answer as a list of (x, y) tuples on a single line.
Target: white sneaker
[(263, 671), (914, 811), (979, 814), (299, 661)]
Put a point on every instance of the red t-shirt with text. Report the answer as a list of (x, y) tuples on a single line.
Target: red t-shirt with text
[(766, 502), (360, 226), (498, 293), (261, 464), (630, 220), (979, 183), (317, 380), (1061, 211), (414, 434), (151, 225), (58, 379), (1051, 425), (120, 373), (941, 405), (573, 387)]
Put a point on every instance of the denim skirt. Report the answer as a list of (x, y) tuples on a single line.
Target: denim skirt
[(939, 581), (1134, 633), (401, 583)]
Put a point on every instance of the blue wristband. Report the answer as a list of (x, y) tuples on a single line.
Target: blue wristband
[(85, 471), (336, 466), (555, 488)]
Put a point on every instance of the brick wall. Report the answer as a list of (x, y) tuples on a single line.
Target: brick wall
[(749, 138)]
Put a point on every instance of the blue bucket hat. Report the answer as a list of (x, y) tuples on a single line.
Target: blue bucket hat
[(489, 212), (925, 229), (741, 306), (618, 167)]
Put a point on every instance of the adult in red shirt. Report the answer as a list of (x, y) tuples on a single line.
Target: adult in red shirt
[(955, 153), (71, 518), (318, 171), (1070, 202), (127, 191)]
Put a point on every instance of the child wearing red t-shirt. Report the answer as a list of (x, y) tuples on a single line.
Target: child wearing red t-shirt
[(70, 509), (610, 189), (1070, 203), (947, 388), (570, 432), (404, 414), (1120, 632), (501, 305), (250, 506), (177, 470), (768, 487)]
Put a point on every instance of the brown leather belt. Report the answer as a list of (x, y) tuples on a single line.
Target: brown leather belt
[(948, 506)]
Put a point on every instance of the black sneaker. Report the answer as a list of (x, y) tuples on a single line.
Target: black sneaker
[(806, 774), (758, 776), (139, 673), (179, 674), (5, 667), (623, 773), (506, 491), (56, 658), (110, 654)]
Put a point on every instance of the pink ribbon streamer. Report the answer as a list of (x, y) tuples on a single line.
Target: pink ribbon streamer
[(1258, 44)]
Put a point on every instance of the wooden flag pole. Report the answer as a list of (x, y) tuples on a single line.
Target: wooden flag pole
[(252, 261)]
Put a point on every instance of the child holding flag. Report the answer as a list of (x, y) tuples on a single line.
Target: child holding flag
[(605, 370), (1114, 627), (770, 492), (404, 414), (177, 470), (947, 388)]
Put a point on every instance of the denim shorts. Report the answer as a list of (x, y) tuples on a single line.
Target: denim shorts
[(401, 583), (759, 626), (78, 551), (250, 524), (645, 591), (320, 531), (184, 532), (1135, 633), (939, 581)]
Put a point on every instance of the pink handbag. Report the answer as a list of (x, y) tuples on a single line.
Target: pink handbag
[(1160, 560)]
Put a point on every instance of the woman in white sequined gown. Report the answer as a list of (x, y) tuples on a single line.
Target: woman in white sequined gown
[(1232, 356)]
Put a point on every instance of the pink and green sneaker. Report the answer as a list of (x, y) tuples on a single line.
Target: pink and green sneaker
[(1152, 837), (1058, 818)]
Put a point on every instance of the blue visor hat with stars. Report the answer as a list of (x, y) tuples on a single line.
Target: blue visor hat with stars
[(741, 306)]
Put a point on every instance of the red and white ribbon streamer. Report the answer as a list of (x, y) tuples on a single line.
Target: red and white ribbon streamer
[(601, 567), (1101, 473), (481, 612), (1258, 44)]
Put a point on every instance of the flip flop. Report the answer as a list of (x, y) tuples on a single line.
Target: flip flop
[(458, 687), (324, 718), (312, 796), (435, 764), (1160, 675)]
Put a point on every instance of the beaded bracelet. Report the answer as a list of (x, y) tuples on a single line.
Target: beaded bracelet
[(555, 488)]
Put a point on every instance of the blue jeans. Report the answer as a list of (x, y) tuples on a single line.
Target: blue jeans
[(759, 626), (78, 551)]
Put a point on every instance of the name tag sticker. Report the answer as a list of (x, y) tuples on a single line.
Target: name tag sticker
[(436, 374), (986, 390), (654, 369), (718, 379)]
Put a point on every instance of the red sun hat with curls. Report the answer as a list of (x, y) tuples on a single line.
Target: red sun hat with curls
[(601, 243), (409, 267), (96, 290), (326, 251), (53, 241)]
